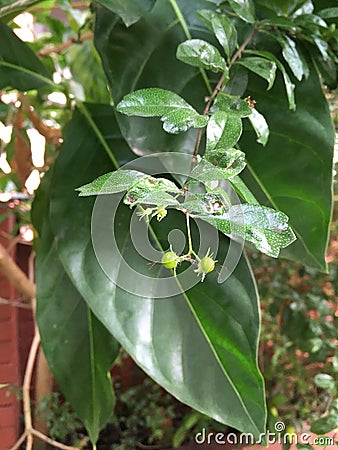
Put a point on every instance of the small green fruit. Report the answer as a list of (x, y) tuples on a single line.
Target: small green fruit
[(206, 264), (170, 260)]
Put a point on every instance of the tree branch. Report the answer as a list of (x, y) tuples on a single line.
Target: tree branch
[(15, 275), (61, 48)]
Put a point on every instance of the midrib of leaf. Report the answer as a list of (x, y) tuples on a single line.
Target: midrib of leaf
[(299, 236), (92, 366), (185, 296), (186, 31), (30, 73), (98, 133)]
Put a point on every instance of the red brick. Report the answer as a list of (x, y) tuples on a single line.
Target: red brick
[(9, 373), (7, 352), (7, 330), (8, 438), (7, 397), (8, 417)]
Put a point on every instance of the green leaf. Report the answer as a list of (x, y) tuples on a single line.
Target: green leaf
[(129, 10), (292, 56), (289, 86), (8, 10), (139, 196), (3, 385), (215, 202), (232, 161), (285, 173), (201, 54), (222, 27), (19, 67), (219, 164), (79, 350), (266, 228), (161, 335), (232, 105), (304, 446), (262, 67), (175, 112), (156, 34), (260, 126), (223, 130), (111, 183), (324, 381), (245, 9), (328, 13)]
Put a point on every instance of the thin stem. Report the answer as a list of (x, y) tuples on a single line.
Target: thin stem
[(217, 89), (180, 18), (19, 441), (190, 249), (51, 441), (242, 47), (98, 133)]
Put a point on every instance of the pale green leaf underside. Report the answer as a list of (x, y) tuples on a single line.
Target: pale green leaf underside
[(124, 180), (260, 126), (266, 228), (174, 111)]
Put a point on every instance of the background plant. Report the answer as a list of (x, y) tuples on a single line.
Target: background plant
[(296, 38)]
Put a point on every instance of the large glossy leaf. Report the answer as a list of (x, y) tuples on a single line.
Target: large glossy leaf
[(79, 350), (200, 345), (294, 170), (129, 10), (156, 34), (19, 67)]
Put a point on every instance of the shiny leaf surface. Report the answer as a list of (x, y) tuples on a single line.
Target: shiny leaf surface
[(223, 130), (260, 126), (266, 228), (262, 67), (201, 54), (175, 112), (245, 9)]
